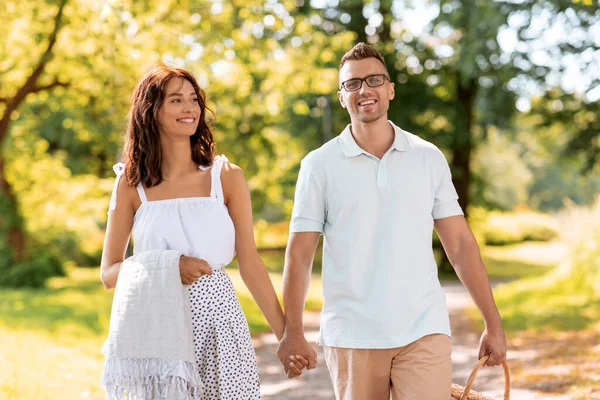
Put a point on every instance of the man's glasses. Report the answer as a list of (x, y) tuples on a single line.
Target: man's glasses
[(354, 84)]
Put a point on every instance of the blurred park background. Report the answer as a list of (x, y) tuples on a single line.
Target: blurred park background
[(508, 89)]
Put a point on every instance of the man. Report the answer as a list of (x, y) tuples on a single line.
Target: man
[(376, 192)]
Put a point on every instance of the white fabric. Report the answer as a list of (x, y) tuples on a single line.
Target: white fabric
[(175, 224), (119, 169), (380, 283), (149, 352)]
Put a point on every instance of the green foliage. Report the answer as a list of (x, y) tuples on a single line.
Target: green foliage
[(556, 179), (34, 271), (271, 236), (36, 265), (65, 215), (503, 177)]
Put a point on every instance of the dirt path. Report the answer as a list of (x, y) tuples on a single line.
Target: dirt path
[(316, 384)]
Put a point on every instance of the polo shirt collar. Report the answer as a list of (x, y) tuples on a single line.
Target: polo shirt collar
[(351, 149)]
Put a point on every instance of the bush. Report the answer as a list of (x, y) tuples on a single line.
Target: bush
[(498, 228), (40, 265)]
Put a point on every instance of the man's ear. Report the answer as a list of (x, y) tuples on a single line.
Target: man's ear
[(392, 90), (341, 99)]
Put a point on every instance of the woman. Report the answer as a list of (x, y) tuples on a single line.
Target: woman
[(176, 195)]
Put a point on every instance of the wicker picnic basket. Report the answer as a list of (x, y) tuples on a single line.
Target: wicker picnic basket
[(460, 393)]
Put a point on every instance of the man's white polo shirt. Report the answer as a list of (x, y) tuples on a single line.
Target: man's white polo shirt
[(380, 282)]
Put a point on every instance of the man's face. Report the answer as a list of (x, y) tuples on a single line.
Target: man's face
[(367, 104)]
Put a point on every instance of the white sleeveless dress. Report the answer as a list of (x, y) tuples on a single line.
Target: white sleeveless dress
[(201, 227)]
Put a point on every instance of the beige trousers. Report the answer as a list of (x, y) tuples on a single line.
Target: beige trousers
[(419, 370)]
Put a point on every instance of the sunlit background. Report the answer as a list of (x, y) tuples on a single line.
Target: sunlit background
[(509, 90)]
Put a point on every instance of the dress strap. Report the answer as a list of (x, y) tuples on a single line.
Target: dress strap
[(141, 192), (119, 169), (216, 189)]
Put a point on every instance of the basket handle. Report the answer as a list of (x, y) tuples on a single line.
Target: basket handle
[(476, 369)]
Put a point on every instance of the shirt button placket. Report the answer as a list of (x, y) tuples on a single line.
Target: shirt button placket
[(382, 181)]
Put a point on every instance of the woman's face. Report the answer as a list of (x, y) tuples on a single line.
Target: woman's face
[(180, 112)]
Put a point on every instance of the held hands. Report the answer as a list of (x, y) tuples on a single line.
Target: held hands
[(192, 268), (289, 351), (296, 365), (493, 342)]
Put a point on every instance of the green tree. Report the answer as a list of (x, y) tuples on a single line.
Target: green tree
[(454, 79), (11, 224), (22, 74), (245, 54), (68, 67)]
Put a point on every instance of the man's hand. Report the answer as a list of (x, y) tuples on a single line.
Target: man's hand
[(192, 268), (493, 342), (292, 346)]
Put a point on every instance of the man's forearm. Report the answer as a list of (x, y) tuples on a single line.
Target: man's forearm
[(296, 281), (472, 273)]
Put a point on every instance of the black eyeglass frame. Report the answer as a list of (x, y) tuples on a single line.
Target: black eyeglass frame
[(343, 85)]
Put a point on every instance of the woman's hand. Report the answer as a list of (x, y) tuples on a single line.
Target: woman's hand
[(297, 364), (192, 268)]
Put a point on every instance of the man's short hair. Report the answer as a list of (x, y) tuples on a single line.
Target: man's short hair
[(361, 51)]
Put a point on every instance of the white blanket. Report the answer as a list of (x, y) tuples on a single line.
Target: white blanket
[(149, 353)]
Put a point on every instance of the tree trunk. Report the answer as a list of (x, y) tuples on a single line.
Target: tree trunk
[(11, 219), (462, 146)]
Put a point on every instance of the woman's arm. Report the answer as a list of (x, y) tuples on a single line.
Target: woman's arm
[(118, 231), (252, 269)]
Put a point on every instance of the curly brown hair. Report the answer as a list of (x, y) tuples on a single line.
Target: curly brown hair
[(142, 154)]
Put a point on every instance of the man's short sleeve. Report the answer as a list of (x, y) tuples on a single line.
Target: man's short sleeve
[(446, 199), (308, 214)]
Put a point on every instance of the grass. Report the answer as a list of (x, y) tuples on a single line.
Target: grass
[(542, 292), (38, 365), (51, 338), (545, 305), (567, 298), (76, 305)]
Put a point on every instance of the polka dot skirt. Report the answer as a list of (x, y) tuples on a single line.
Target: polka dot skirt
[(224, 351)]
